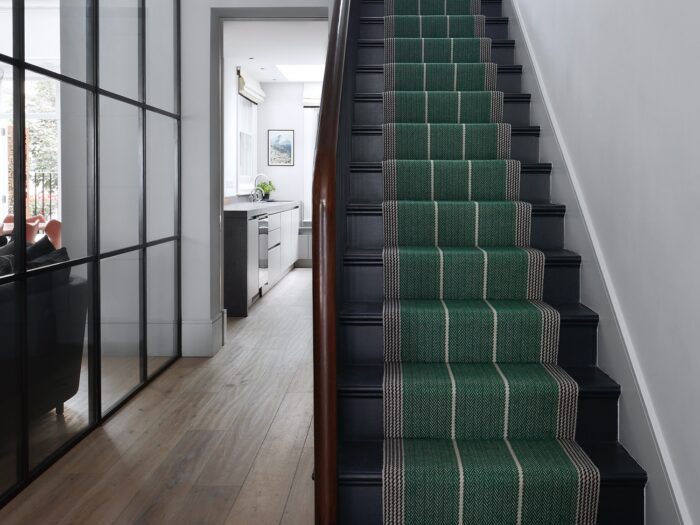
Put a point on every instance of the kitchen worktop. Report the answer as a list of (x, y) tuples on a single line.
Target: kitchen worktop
[(255, 209)]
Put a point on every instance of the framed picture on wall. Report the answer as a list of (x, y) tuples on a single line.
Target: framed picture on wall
[(280, 147)]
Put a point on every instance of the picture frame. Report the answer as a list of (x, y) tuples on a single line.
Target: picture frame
[(280, 147)]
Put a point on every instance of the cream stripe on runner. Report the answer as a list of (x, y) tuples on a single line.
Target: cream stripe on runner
[(436, 223), (494, 354), (469, 178), (486, 272), (521, 483), (506, 416)]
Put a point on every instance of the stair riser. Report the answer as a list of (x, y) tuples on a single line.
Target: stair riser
[(372, 53), (365, 284), (367, 187), (375, 8), (371, 113), (364, 344), (366, 232), (373, 81), (374, 28), (362, 503), (369, 147), (362, 418)]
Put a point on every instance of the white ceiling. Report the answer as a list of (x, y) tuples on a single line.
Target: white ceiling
[(274, 43)]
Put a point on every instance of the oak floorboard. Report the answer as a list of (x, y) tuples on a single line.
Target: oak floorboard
[(205, 505), (209, 439), (299, 509), (264, 494)]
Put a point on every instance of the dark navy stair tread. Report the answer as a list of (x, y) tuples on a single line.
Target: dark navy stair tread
[(366, 381), (514, 130), (382, 1), (379, 97), (539, 209), (379, 42), (502, 68), (374, 257), (525, 167), (360, 462), (380, 19), (371, 313)]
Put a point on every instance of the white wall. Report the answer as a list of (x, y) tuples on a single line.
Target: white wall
[(623, 136), (283, 109), (230, 123), (201, 219)]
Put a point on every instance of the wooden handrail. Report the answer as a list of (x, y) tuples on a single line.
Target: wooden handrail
[(324, 273)]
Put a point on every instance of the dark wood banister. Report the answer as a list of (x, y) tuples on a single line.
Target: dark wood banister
[(324, 273)]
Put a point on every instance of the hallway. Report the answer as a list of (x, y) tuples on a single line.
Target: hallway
[(211, 441)]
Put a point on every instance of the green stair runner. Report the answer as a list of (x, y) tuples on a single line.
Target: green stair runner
[(479, 420)]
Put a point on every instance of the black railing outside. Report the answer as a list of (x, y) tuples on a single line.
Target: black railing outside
[(42, 195)]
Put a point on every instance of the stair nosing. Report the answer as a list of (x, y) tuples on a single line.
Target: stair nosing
[(492, 20), (379, 68), (379, 42), (636, 478), (379, 97), (518, 131), (374, 318), (609, 390), (525, 167), (538, 209)]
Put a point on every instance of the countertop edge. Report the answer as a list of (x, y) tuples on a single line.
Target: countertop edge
[(251, 210)]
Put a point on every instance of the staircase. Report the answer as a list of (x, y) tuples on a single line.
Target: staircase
[(363, 380)]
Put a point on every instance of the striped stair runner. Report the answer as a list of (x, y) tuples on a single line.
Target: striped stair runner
[(479, 420)]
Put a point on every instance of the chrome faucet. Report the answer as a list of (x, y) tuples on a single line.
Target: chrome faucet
[(256, 195)]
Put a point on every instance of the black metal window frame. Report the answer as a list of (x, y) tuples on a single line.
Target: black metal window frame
[(19, 278)]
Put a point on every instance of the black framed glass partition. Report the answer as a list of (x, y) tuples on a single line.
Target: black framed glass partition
[(90, 249)]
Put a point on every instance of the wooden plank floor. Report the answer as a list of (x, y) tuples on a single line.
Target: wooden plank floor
[(226, 440)]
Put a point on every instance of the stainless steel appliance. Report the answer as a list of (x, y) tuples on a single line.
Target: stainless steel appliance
[(263, 273)]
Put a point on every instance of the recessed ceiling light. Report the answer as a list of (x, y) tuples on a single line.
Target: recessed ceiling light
[(262, 69), (251, 58), (302, 73)]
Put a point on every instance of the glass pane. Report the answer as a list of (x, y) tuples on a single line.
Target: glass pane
[(56, 35), (57, 332), (120, 175), (119, 47), (119, 278), (162, 306), (6, 27), (160, 54), (58, 184), (247, 144), (161, 175), (9, 386), (7, 187)]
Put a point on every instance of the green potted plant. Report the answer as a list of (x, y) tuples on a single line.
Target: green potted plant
[(266, 188)]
